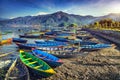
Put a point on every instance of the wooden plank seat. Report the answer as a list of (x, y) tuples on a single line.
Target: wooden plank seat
[(36, 67), (32, 62), (28, 59)]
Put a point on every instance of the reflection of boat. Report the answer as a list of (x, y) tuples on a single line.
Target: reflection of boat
[(19, 40), (29, 36), (6, 41), (50, 59), (17, 71), (36, 65)]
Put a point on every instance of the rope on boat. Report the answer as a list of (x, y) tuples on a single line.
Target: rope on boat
[(3, 55)]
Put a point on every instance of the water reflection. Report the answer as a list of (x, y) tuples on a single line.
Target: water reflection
[(6, 61)]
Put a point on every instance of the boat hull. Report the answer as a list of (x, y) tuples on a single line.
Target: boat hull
[(19, 40), (8, 41), (48, 58), (29, 36), (34, 64)]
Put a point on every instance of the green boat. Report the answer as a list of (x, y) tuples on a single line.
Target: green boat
[(35, 64)]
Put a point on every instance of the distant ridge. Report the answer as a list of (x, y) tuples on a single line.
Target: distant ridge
[(57, 18)]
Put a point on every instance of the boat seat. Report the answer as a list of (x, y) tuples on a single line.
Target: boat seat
[(36, 67), (33, 62), (23, 56), (28, 59)]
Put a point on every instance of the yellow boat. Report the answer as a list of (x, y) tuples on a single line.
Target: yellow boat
[(7, 41)]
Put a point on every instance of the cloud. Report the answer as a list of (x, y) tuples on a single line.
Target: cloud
[(98, 8), (40, 13), (12, 17)]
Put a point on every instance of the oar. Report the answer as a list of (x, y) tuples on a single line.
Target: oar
[(2, 55)]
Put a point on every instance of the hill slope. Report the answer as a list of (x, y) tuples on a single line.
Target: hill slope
[(56, 18)]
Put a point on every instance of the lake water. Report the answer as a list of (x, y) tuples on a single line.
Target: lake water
[(7, 48)]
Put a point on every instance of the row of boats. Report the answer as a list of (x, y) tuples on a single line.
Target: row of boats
[(61, 42), (37, 62), (38, 59)]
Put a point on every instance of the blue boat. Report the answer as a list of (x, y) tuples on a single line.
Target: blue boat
[(87, 43), (48, 58), (29, 36), (19, 40), (64, 34), (25, 46), (61, 39), (95, 47), (50, 42), (38, 46), (50, 33), (84, 37)]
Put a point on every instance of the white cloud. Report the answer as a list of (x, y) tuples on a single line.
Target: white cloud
[(12, 17), (101, 7), (40, 13)]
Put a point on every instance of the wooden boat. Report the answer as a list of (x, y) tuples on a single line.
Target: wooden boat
[(17, 71), (29, 36), (7, 41), (65, 54), (61, 39), (64, 35), (95, 47), (50, 42), (25, 46), (49, 36), (36, 65), (19, 40), (51, 33), (87, 43), (84, 37), (48, 58), (39, 46)]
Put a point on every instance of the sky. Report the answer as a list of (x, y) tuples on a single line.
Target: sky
[(20, 8)]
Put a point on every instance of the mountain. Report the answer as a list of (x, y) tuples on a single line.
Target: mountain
[(114, 16), (3, 19), (56, 19)]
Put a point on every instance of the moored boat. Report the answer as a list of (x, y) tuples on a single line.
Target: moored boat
[(38, 66), (96, 46), (17, 71), (7, 41), (88, 43), (84, 37), (38, 46), (19, 40), (29, 36), (49, 58), (61, 39), (51, 42)]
